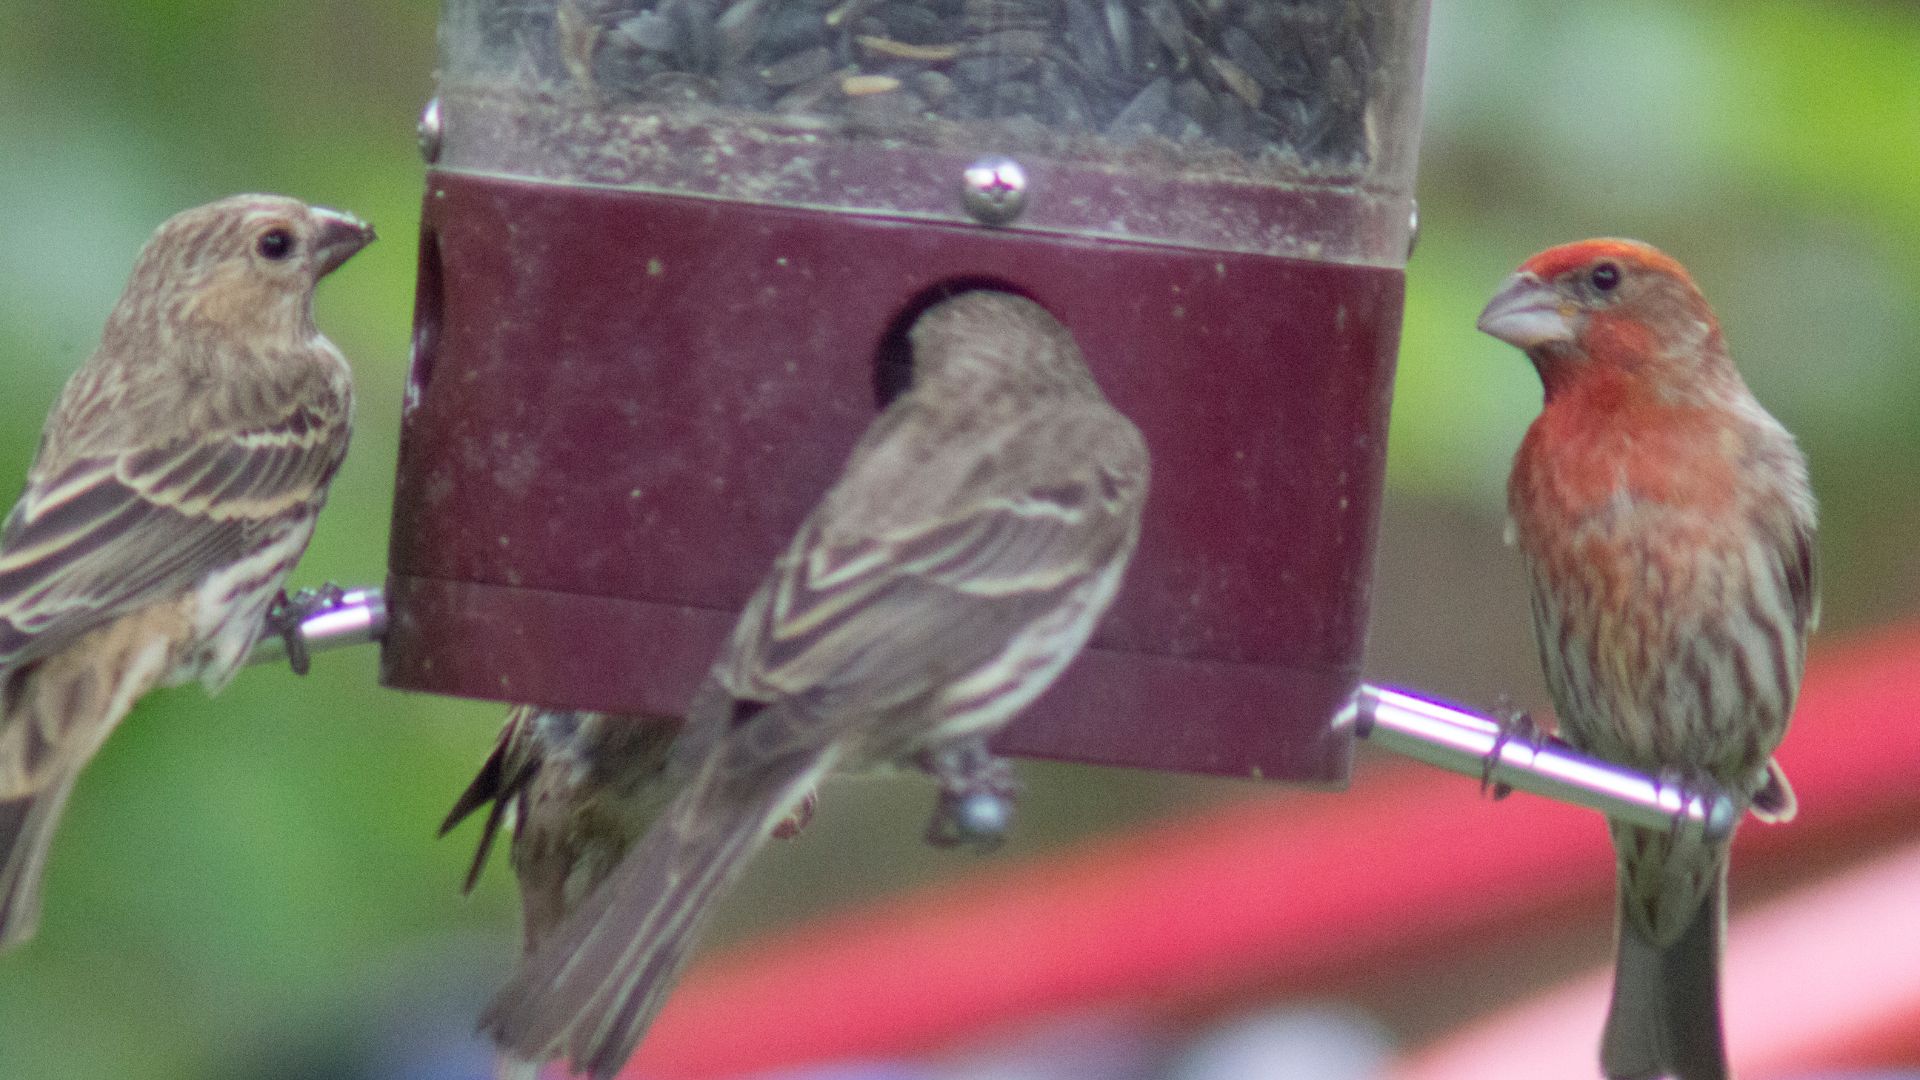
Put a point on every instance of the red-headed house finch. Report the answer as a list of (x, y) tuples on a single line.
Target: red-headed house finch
[(1667, 527), (176, 484), (976, 535)]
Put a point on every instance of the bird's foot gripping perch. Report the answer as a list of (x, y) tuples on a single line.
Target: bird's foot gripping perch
[(1683, 793), (798, 818), (1515, 724), (288, 615), (976, 794)]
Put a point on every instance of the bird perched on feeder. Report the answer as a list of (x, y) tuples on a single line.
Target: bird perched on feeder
[(579, 788), (177, 482), (1667, 527), (977, 533)]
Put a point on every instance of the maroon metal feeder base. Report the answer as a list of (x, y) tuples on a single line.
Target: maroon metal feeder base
[(622, 405), (670, 252)]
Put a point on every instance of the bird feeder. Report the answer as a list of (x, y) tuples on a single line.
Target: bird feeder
[(670, 250)]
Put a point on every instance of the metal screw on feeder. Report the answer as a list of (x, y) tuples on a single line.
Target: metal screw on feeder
[(428, 131), (994, 190)]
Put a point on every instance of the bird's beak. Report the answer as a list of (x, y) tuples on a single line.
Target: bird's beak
[(338, 237), (1527, 313)]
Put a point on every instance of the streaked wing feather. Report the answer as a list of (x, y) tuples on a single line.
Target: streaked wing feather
[(1803, 579), (105, 535), (882, 617)]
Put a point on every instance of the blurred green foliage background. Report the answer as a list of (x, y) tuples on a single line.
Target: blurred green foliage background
[(250, 887)]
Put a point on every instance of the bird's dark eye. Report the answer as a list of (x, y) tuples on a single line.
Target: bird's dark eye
[(1605, 277), (276, 244)]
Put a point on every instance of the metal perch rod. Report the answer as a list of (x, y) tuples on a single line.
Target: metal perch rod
[(1480, 746), (357, 618), (1451, 738)]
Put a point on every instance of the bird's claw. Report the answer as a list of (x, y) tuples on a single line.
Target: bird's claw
[(976, 800), (1688, 788), (797, 819), (1514, 724), (289, 614)]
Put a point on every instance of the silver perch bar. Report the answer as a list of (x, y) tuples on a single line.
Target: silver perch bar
[(1484, 748), (357, 618), (1453, 739)]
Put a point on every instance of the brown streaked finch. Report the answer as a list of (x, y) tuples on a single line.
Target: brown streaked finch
[(975, 536), (1667, 527), (578, 788), (176, 484)]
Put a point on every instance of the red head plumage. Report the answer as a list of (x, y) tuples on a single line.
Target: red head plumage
[(1611, 308)]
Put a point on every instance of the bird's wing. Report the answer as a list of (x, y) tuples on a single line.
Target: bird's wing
[(854, 621), (102, 535), (1803, 579)]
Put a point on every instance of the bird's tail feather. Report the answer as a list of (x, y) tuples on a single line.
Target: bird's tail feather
[(56, 715), (1665, 1017), (26, 832), (591, 991), (491, 785)]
